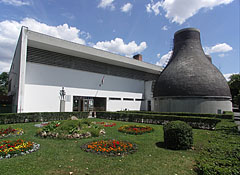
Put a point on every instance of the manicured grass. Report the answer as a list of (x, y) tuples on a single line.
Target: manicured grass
[(63, 156)]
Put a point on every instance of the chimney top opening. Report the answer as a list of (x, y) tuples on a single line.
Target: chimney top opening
[(138, 57)]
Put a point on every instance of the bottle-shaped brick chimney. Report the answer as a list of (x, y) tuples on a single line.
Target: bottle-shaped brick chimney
[(189, 71)]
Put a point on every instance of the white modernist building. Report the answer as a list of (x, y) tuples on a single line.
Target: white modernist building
[(92, 79)]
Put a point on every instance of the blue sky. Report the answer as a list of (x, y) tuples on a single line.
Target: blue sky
[(127, 27)]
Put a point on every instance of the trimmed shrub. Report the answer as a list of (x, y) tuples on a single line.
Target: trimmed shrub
[(8, 118), (193, 121), (178, 135), (225, 115)]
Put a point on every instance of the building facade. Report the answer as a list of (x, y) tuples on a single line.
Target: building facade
[(92, 79)]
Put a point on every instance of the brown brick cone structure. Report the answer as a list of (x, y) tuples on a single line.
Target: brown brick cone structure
[(190, 82)]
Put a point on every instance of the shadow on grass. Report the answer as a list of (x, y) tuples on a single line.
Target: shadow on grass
[(160, 145)]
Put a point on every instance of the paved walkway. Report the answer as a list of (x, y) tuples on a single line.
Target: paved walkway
[(237, 119)]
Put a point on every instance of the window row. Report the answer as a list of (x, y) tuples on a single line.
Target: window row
[(125, 99)]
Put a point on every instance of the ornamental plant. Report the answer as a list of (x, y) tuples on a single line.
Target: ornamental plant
[(14, 148), (10, 132), (178, 135), (135, 129), (70, 129), (110, 147)]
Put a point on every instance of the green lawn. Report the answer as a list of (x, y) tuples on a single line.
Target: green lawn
[(64, 156)]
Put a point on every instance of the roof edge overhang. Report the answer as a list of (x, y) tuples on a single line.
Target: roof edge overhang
[(195, 97), (54, 44)]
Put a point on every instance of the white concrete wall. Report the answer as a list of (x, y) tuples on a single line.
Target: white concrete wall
[(14, 75), (43, 83), (198, 105), (17, 72), (148, 95)]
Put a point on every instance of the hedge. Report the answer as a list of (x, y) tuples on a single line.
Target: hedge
[(222, 153), (225, 115), (195, 122), (8, 118)]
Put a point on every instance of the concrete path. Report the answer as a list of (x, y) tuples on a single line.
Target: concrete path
[(237, 119)]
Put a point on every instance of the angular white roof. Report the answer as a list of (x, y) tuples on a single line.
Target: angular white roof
[(42, 41)]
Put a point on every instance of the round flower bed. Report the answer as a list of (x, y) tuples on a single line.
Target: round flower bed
[(71, 129), (135, 129), (110, 147), (10, 149), (10, 132)]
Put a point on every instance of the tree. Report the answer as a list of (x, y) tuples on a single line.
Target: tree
[(3, 83), (234, 84)]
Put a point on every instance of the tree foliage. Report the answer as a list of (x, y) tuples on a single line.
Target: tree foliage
[(234, 84), (3, 83)]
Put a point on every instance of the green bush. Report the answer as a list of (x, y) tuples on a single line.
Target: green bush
[(228, 113), (225, 115), (193, 121), (68, 126), (178, 135), (8, 118)]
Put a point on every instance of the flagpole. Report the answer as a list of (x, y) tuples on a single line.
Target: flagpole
[(100, 85)]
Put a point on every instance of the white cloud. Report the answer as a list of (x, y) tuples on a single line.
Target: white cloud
[(106, 4), (9, 33), (179, 11), (158, 55), (165, 28), (227, 76), (153, 7), (149, 8), (164, 59), (126, 7), (118, 46), (218, 48), (15, 2)]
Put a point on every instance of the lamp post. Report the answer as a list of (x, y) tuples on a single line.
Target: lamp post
[(62, 94)]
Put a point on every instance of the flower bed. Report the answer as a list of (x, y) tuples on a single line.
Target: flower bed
[(105, 124), (135, 129), (10, 132), (110, 147), (71, 129), (10, 149)]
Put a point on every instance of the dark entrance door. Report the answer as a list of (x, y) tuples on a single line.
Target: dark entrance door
[(149, 105), (77, 103)]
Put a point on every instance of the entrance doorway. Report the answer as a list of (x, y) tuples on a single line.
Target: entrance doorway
[(149, 106), (86, 104)]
